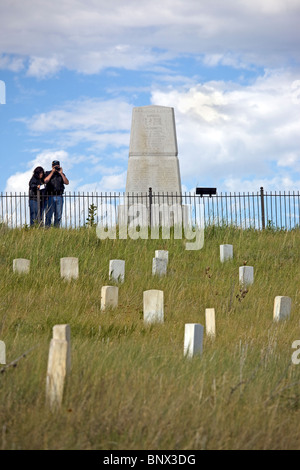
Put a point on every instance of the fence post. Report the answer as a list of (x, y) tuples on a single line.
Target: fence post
[(150, 206), (262, 203), (38, 194)]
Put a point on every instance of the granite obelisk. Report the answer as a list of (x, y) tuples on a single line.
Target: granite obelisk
[(153, 161)]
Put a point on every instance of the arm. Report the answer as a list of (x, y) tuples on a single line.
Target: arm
[(65, 179), (48, 178)]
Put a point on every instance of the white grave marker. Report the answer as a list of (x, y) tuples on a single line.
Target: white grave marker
[(153, 303), (69, 268), (210, 322), (246, 275), (2, 353), (226, 252), (282, 307), (59, 364), (109, 297), (117, 270), (159, 267), (193, 339), (162, 254), (21, 265)]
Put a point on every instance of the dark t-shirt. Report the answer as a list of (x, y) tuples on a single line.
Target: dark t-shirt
[(56, 185)]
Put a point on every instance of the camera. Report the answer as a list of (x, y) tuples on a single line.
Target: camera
[(57, 168)]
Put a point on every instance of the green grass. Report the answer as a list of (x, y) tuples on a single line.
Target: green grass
[(130, 386)]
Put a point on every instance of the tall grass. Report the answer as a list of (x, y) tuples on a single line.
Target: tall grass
[(130, 386)]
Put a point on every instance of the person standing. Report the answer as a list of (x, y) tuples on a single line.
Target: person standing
[(55, 181), (35, 183)]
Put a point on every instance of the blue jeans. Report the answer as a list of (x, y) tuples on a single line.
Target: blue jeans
[(33, 210), (54, 205)]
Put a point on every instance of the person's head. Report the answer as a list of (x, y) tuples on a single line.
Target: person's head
[(38, 172), (56, 164)]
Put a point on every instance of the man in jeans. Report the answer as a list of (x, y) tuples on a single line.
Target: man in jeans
[(55, 181)]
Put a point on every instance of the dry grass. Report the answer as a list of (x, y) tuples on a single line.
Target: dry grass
[(130, 386)]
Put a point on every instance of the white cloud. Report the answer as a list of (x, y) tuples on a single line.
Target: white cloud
[(111, 178), (15, 64), (96, 122), (87, 36), (19, 181), (227, 132), (277, 183), (108, 183), (42, 67), (228, 59), (96, 141), (83, 114)]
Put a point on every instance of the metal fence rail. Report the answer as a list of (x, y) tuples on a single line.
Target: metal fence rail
[(257, 210)]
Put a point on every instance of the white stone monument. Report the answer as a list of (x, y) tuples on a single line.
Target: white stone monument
[(159, 267), (226, 252), (2, 353), (282, 307), (193, 339), (246, 275), (210, 322), (162, 254), (21, 265), (117, 270), (153, 161), (69, 268), (59, 364), (109, 297), (153, 305)]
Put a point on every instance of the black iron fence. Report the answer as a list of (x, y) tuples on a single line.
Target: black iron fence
[(258, 210)]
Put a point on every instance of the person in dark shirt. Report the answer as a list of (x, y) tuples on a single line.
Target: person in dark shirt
[(35, 183), (55, 181)]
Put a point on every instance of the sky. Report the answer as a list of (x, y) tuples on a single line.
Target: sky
[(72, 71)]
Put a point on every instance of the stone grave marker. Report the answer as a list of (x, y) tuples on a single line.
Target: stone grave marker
[(59, 364), (2, 353), (109, 297), (246, 275), (69, 268), (226, 252), (210, 322), (153, 305), (117, 270), (21, 265), (282, 307), (162, 254), (193, 339), (159, 267)]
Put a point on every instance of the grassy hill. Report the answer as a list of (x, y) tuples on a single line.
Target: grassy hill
[(130, 386)]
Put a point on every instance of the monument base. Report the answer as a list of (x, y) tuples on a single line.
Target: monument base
[(146, 172)]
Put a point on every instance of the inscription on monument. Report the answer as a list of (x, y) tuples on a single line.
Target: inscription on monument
[(163, 177), (153, 131)]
